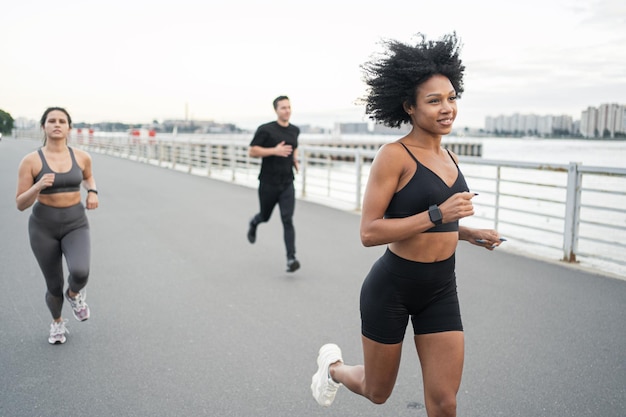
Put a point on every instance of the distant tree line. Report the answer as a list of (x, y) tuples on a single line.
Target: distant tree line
[(6, 123)]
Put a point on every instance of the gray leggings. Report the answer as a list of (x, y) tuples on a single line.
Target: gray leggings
[(56, 232)]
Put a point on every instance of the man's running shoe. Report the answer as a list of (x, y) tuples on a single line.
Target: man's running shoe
[(293, 265), (252, 231)]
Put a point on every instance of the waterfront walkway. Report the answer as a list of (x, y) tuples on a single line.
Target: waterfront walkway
[(189, 319)]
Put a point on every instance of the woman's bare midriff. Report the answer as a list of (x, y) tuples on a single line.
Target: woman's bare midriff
[(427, 247), (60, 200)]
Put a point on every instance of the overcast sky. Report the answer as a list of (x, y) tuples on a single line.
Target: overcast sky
[(226, 61)]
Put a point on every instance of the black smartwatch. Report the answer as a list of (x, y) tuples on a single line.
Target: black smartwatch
[(435, 214)]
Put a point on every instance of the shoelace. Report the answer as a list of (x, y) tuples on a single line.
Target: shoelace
[(78, 302), (59, 328)]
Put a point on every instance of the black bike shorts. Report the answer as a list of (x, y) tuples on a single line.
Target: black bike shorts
[(397, 288)]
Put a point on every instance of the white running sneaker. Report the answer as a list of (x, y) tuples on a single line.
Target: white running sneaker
[(57, 332), (323, 387), (80, 309)]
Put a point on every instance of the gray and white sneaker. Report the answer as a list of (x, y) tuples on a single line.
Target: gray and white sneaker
[(323, 387), (57, 332), (80, 309)]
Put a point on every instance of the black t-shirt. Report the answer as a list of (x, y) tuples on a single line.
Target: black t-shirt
[(276, 169)]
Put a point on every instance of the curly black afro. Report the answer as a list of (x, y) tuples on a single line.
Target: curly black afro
[(393, 79)]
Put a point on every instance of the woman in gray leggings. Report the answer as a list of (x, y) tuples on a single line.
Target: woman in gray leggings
[(50, 178)]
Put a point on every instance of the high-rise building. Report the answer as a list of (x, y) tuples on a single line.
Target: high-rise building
[(589, 122), (620, 120), (607, 121), (530, 124)]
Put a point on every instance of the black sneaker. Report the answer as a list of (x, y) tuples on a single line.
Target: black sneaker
[(252, 232), (293, 265)]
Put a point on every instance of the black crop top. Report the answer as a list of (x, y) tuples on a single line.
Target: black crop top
[(63, 182), (422, 191)]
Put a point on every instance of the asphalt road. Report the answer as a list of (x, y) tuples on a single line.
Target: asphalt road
[(189, 319)]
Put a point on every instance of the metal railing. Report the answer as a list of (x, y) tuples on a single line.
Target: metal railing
[(533, 204), (572, 208)]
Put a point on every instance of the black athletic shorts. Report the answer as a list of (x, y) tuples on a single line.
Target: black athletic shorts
[(397, 288)]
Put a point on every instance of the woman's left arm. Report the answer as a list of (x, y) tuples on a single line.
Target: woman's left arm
[(487, 238), (89, 182)]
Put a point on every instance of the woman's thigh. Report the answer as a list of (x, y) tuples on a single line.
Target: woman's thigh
[(381, 365), (441, 357)]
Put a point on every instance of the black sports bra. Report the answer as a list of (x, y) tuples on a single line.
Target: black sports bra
[(63, 182), (423, 190)]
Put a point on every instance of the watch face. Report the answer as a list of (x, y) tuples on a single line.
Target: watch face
[(435, 214)]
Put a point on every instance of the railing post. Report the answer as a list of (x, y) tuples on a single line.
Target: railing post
[(304, 161), (233, 160), (190, 155), (572, 212), (496, 214), (329, 164), (358, 164), (209, 158)]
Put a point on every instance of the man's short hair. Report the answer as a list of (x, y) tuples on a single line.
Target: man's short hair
[(277, 99)]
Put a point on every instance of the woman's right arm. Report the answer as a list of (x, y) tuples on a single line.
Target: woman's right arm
[(382, 183), (27, 189)]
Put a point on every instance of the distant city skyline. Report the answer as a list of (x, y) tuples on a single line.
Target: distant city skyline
[(128, 62), (501, 122), (327, 121)]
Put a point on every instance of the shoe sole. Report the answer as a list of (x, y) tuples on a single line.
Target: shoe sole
[(79, 319), (57, 342)]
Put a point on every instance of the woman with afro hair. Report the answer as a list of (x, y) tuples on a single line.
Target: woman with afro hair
[(414, 199)]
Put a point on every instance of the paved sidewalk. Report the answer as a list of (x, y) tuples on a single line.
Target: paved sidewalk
[(189, 319)]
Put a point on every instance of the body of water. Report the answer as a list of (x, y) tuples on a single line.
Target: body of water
[(602, 153)]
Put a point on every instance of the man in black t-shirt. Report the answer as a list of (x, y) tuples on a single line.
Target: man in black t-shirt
[(277, 143)]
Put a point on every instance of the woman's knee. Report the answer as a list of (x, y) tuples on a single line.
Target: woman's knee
[(379, 397), (79, 277), (445, 405), (379, 393), (54, 291)]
